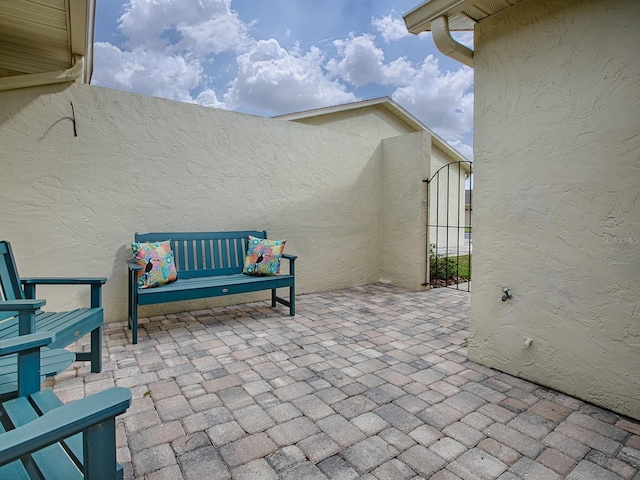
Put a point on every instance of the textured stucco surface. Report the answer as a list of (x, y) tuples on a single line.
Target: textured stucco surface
[(557, 213), (71, 204)]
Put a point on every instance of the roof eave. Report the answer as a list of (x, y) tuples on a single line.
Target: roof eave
[(419, 19)]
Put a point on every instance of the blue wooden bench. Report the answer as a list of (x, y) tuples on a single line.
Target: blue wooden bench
[(209, 264), (20, 312), (40, 437)]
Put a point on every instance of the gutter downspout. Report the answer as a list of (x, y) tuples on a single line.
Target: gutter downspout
[(46, 78), (447, 45)]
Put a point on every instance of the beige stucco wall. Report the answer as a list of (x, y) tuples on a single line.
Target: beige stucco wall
[(556, 197), (70, 205), (403, 254)]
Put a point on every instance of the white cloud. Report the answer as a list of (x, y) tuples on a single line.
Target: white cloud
[(442, 100), (275, 80), (208, 98), (390, 28), (201, 26), (362, 62), (146, 72)]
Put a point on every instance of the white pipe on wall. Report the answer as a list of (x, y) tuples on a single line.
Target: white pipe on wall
[(447, 45)]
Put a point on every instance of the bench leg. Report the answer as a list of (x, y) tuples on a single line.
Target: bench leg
[(133, 307), (133, 324), (95, 354), (273, 297), (292, 300)]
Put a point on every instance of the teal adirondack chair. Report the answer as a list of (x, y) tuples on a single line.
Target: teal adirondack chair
[(40, 437), (20, 312)]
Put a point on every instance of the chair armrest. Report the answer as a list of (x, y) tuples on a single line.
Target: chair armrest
[(133, 265), (64, 421), (29, 285), (289, 257), (25, 342), (21, 305), (64, 281)]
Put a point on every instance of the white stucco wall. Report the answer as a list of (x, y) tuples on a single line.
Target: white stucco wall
[(556, 197), (70, 205)]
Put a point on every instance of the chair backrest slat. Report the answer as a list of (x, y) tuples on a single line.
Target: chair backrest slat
[(10, 286)]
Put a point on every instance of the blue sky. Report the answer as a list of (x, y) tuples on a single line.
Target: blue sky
[(281, 56)]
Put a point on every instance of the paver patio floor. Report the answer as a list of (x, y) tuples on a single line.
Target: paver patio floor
[(370, 382)]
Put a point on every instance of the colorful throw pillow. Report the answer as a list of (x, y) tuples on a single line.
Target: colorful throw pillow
[(263, 256), (156, 260)]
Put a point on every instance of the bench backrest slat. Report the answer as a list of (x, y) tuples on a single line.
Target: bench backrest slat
[(203, 254)]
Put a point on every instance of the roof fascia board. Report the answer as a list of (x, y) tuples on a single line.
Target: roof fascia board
[(419, 19)]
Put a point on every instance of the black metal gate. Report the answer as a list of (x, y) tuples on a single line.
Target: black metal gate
[(449, 226)]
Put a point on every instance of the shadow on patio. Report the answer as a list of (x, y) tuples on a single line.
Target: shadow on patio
[(369, 382)]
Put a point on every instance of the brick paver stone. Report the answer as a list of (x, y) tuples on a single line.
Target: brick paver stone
[(292, 431), (476, 463), (203, 463), (247, 449), (253, 419), (422, 461), (556, 461), (152, 459), (306, 470), (394, 469), (256, 470), (586, 470), (398, 417), (341, 430), (318, 447), (336, 468), (368, 454), (448, 448), (527, 468), (514, 439), (156, 435), (285, 458)]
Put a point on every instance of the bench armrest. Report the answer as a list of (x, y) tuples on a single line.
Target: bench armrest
[(64, 421), (133, 265), (292, 262), (30, 305), (25, 342)]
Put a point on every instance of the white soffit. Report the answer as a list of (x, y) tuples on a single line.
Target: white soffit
[(462, 14), (42, 36)]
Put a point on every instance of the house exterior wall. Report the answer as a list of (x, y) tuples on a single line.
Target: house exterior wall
[(556, 202), (374, 121), (70, 205)]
